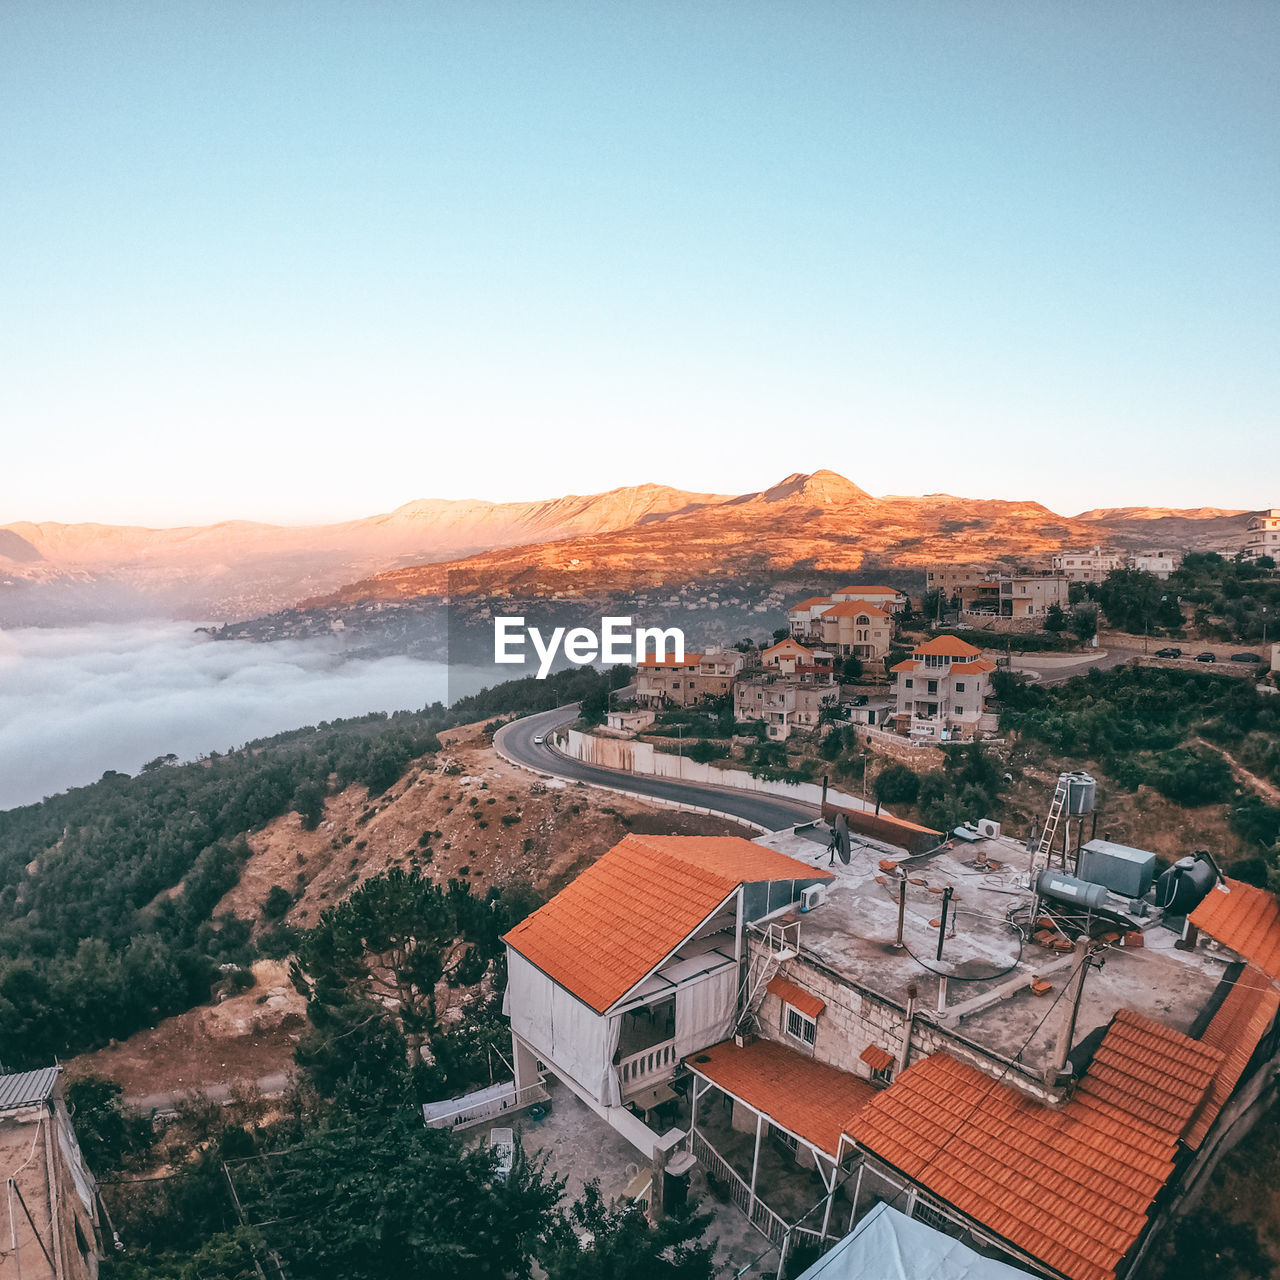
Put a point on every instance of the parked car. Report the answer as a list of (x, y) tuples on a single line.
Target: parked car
[(1168, 653), (1206, 657), (1245, 657)]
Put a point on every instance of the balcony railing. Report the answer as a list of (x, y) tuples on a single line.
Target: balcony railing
[(657, 1062)]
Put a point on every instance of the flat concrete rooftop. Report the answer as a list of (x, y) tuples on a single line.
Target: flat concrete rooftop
[(988, 964)]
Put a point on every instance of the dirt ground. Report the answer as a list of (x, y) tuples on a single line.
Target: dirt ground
[(488, 822), (246, 1037), (553, 831)]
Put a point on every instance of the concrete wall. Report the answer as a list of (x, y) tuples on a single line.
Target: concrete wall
[(642, 758)]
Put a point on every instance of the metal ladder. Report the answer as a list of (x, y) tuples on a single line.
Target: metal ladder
[(1051, 822), (779, 948)]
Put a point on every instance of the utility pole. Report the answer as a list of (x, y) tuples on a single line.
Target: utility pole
[(1067, 1028)]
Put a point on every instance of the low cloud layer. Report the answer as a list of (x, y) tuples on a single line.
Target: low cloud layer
[(76, 701)]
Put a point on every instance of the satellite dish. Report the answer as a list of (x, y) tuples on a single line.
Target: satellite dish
[(842, 838)]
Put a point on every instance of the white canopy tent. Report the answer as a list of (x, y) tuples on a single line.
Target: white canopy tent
[(888, 1245)]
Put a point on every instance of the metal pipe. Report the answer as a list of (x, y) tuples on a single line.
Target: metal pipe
[(946, 907), (902, 906)]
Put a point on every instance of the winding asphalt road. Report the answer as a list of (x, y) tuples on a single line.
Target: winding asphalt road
[(515, 741)]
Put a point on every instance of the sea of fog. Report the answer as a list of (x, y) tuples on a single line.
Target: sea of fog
[(76, 701)]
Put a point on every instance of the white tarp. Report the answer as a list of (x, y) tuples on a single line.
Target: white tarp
[(888, 1245), (705, 1010), (563, 1031)]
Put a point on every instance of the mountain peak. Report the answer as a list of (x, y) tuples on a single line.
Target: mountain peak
[(820, 488)]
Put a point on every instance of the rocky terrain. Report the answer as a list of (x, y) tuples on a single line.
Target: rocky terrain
[(640, 536), (459, 804), (820, 522)]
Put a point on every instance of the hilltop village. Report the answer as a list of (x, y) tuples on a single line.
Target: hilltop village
[(883, 937)]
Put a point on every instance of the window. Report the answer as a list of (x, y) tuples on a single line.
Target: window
[(909, 683), (933, 686), (675, 684), (882, 1078), (959, 711), (782, 1136), (930, 1216), (800, 1026), (959, 686)]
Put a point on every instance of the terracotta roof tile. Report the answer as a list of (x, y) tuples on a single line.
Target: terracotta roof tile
[(1071, 1186), (1244, 918), (851, 608), (948, 647), (623, 915), (810, 602), (796, 997), (874, 591), (876, 1058), (804, 1097), (1243, 1018)]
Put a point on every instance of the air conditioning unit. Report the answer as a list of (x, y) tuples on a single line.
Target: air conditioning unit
[(988, 828), (814, 896)]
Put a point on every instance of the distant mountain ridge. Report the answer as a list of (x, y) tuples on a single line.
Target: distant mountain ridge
[(632, 536), (822, 521)]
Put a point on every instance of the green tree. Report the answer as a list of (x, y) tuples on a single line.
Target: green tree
[(1055, 618), (368, 1201), (403, 942), (851, 668), (617, 1242), (897, 784), (1084, 621)]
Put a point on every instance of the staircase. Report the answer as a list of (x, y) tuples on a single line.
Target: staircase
[(779, 942)]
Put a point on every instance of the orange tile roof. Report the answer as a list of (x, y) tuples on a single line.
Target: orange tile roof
[(851, 608), (796, 997), (787, 644), (810, 602), (1244, 918), (905, 665), (652, 660), (976, 667), (1070, 1186), (875, 591), (804, 1097), (876, 1058), (1236, 1029), (948, 647), (609, 928)]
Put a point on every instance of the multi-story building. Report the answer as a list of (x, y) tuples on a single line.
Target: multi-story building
[(927, 1030), (1031, 595), (1087, 566), (636, 964), (50, 1216), (1159, 563), (803, 617), (858, 629), (784, 703), (790, 657), (668, 682), (941, 690), (888, 598), (1263, 532), (950, 578)]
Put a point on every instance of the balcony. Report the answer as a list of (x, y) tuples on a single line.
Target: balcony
[(648, 1067)]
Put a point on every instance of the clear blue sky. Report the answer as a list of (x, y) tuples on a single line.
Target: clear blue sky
[(303, 261)]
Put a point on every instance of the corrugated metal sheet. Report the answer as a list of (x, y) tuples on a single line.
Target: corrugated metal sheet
[(26, 1087)]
